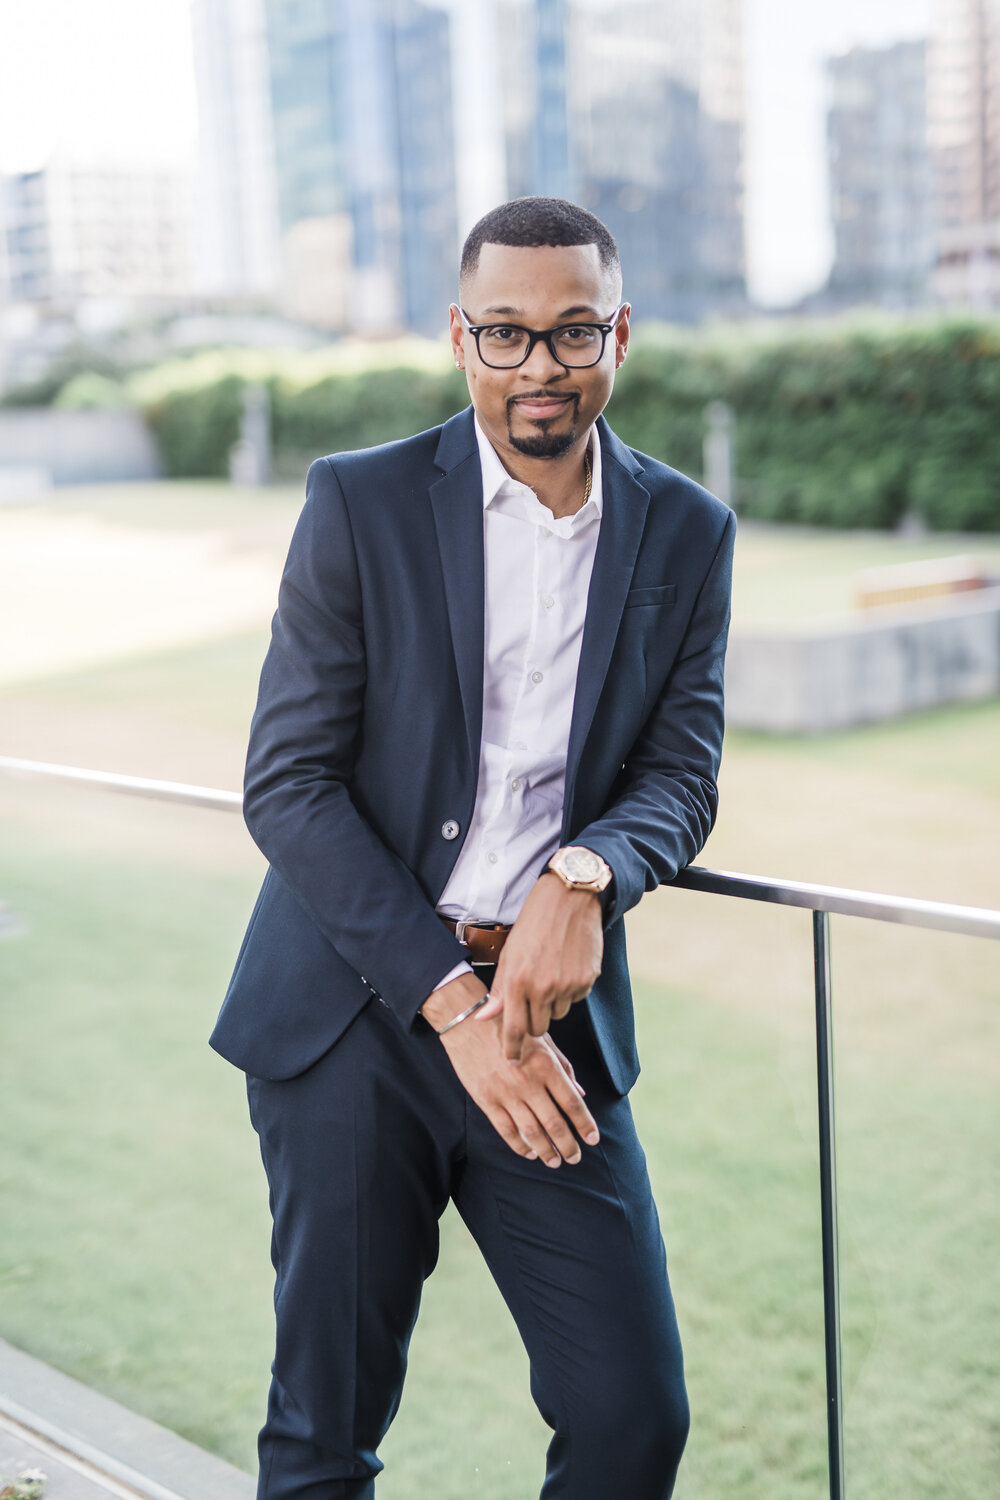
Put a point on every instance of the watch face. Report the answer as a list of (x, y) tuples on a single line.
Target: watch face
[(581, 864)]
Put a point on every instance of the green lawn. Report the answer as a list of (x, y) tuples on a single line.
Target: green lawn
[(133, 1246), (784, 574), (793, 574), (133, 1216)]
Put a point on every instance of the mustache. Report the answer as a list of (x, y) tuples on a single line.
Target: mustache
[(542, 395)]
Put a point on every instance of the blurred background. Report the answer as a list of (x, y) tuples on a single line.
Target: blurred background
[(229, 234)]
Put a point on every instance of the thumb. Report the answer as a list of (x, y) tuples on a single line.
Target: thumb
[(492, 1008)]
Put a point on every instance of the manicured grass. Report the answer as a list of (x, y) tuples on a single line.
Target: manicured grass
[(792, 574), (256, 516), (784, 574), (133, 1237), (133, 1216)]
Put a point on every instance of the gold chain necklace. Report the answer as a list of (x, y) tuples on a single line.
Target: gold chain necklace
[(588, 470)]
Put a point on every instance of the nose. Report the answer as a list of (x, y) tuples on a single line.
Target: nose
[(541, 364)]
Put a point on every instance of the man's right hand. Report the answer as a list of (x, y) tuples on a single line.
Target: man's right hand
[(531, 1103)]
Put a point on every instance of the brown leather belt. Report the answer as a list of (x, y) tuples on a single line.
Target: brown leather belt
[(483, 939)]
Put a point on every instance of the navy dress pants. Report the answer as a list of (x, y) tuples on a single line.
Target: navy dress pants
[(362, 1153)]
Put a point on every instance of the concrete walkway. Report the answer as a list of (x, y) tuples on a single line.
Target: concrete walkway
[(92, 1448)]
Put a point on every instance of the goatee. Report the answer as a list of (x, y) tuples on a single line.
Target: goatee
[(543, 444)]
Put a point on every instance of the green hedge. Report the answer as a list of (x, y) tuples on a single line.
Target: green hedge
[(836, 426)]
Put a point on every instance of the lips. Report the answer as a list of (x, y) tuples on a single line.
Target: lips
[(541, 408)]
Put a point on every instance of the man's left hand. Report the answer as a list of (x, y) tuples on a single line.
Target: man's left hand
[(551, 959)]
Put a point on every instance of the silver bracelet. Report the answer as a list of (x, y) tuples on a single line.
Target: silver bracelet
[(464, 1014)]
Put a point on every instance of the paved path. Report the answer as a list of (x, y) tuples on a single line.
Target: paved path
[(67, 1479), (92, 1448)]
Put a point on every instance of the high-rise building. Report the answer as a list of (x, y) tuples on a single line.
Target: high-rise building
[(422, 72), (635, 108), (236, 238), (82, 234), (880, 176), (964, 129), (364, 150)]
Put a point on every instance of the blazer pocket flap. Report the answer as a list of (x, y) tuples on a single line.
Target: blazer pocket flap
[(664, 593)]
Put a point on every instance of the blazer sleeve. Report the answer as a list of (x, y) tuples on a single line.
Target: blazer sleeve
[(666, 798), (303, 740)]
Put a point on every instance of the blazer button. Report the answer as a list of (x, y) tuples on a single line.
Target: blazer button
[(449, 830)]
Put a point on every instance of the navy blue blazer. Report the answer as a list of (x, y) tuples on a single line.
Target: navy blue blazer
[(365, 741)]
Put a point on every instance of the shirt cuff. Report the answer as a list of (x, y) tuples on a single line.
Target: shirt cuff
[(462, 968)]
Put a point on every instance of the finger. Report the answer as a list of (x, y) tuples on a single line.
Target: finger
[(492, 1009), (540, 1012), (515, 1025), (566, 1065), (538, 1137), (566, 1095), (547, 1111), (556, 1127), (503, 1123), (561, 1008)]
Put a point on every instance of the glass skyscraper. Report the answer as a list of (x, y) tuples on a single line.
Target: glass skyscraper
[(361, 100)]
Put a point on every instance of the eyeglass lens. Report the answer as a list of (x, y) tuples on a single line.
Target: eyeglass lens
[(507, 345)]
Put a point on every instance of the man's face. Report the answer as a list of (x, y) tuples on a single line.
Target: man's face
[(540, 408)]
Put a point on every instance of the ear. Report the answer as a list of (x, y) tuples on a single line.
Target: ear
[(456, 335), (622, 332)]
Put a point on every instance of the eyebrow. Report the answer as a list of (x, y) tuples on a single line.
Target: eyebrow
[(569, 312)]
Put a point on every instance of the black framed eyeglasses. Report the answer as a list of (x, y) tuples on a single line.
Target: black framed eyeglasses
[(504, 346)]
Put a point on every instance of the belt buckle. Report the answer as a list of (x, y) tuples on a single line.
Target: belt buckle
[(462, 927)]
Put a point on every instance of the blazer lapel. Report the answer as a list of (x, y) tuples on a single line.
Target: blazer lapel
[(626, 502), (457, 504)]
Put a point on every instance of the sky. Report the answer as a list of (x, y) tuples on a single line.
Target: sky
[(113, 80)]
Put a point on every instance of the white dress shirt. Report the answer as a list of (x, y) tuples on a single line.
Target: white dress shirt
[(537, 575)]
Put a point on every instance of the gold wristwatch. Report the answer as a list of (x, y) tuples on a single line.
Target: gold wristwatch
[(580, 869)]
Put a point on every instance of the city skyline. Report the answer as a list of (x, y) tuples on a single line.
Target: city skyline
[(84, 98)]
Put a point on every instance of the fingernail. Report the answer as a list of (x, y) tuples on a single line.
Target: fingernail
[(553, 1161), (593, 1138), (574, 1159), (531, 1156), (581, 1089)]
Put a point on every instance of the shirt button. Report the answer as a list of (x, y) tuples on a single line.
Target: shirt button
[(537, 676), (515, 785), (520, 744), (492, 857), (548, 601), (449, 830)]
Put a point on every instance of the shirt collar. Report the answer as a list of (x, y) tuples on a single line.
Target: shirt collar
[(496, 480)]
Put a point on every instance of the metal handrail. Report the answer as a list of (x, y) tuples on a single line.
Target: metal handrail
[(974, 921), (945, 916), (134, 786), (821, 900)]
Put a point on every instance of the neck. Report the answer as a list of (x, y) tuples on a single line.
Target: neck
[(561, 484)]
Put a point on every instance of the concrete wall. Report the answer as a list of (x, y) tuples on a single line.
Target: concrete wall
[(42, 447), (882, 665)]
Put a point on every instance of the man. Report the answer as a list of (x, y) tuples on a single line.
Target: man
[(493, 696)]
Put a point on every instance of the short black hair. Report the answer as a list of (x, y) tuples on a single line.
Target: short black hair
[(539, 221)]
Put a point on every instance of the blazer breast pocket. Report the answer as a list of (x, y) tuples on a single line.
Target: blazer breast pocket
[(662, 594)]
